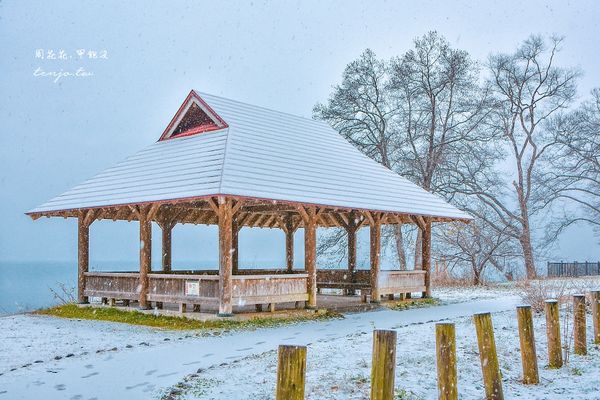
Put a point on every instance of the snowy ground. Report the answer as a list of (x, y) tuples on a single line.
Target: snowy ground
[(339, 368), (44, 357), (461, 294)]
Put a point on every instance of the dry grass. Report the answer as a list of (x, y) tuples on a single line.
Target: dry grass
[(73, 311), (536, 292), (450, 281), (412, 303)]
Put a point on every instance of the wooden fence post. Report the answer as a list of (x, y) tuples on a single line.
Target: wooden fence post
[(445, 341), (487, 354), (553, 332), (383, 369), (579, 334), (291, 372), (596, 315), (527, 341)]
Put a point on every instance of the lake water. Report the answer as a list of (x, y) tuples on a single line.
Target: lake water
[(27, 286)]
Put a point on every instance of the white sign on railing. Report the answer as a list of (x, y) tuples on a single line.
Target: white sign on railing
[(192, 288)]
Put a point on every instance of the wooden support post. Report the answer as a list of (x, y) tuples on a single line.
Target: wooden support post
[(112, 302), (271, 307), (309, 215), (235, 230), (145, 257), (553, 333), (167, 230), (291, 373), (596, 314), (445, 341), (83, 256), (527, 342), (579, 325), (487, 354), (289, 242), (426, 257), (375, 234), (225, 257), (384, 365), (351, 231)]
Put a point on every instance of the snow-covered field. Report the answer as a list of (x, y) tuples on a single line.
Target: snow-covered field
[(339, 368), (49, 358)]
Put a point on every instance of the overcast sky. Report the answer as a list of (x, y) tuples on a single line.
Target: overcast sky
[(282, 54)]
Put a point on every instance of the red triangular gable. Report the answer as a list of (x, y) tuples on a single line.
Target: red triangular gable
[(193, 117)]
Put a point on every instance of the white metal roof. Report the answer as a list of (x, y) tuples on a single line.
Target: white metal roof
[(261, 154)]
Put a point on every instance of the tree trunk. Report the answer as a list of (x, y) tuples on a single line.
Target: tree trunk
[(525, 241), (400, 247), (476, 276)]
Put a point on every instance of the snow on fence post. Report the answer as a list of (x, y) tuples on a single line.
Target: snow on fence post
[(596, 315), (291, 372), (527, 342), (384, 365), (579, 336), (445, 341), (487, 354), (553, 332)]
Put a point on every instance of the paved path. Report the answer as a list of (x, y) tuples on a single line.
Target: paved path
[(141, 373)]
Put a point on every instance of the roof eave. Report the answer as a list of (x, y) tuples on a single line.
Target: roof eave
[(71, 212)]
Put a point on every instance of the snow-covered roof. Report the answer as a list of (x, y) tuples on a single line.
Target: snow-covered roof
[(216, 146)]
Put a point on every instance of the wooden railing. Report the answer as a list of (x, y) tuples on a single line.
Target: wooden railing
[(184, 288), (198, 288), (118, 285), (340, 278), (390, 281), (202, 287), (272, 288), (396, 282)]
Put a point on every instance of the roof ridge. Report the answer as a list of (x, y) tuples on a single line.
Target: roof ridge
[(264, 108)]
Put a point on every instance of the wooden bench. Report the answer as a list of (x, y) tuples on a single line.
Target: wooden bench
[(365, 289)]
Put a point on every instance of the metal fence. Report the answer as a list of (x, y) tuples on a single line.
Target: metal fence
[(573, 268)]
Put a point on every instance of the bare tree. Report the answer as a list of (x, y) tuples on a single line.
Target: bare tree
[(530, 89), (476, 247), (575, 178), (420, 115), (360, 109), (440, 109)]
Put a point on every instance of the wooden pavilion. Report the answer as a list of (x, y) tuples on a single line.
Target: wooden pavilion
[(235, 165)]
